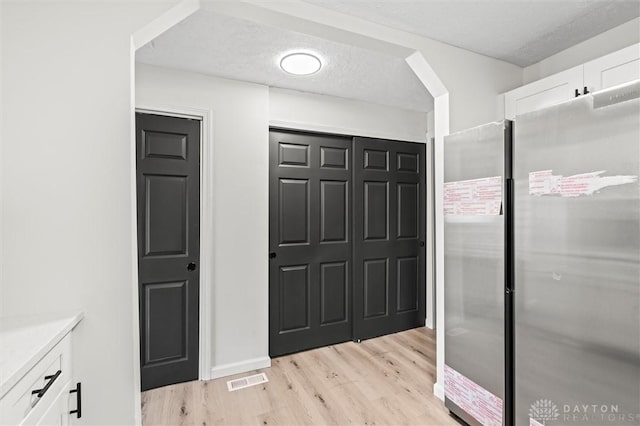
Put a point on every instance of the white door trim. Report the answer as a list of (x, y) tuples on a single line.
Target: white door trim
[(206, 222)]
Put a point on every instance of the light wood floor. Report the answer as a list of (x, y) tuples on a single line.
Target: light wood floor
[(382, 381)]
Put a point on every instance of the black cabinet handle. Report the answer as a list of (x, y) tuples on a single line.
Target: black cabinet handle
[(40, 392), (577, 93), (78, 392), (191, 266), (585, 90)]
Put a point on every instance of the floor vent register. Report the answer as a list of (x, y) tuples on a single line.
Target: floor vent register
[(245, 382)]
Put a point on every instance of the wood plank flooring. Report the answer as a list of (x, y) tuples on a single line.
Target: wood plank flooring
[(382, 381)]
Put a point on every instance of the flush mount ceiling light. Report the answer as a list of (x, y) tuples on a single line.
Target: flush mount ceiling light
[(300, 64)]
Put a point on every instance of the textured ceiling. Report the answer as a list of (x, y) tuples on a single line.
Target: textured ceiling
[(234, 48), (521, 32)]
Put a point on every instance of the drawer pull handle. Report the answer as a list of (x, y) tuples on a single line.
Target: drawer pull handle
[(78, 392), (40, 392)]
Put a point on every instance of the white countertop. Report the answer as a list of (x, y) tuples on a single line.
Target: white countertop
[(24, 340)]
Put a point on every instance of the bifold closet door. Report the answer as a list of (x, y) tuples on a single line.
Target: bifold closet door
[(389, 237), (310, 241)]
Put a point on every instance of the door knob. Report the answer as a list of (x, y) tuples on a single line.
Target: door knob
[(272, 255), (191, 266), (421, 243)]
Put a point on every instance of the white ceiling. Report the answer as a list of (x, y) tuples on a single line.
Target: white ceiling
[(521, 32), (234, 48)]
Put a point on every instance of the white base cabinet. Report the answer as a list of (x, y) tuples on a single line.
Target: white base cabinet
[(36, 364)]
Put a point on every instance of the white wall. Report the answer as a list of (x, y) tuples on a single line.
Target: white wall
[(345, 116), (1, 149), (595, 47), (240, 137), (67, 183)]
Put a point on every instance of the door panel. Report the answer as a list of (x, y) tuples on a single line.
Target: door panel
[(294, 294), (168, 191), (376, 287), (376, 200), (310, 241), (389, 234), (294, 155), (161, 300), (333, 211), (376, 159), (408, 206), (333, 157), (407, 284), (293, 212), (165, 145), (333, 292), (166, 215)]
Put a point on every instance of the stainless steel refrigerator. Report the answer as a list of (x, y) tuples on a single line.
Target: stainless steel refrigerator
[(577, 261), (476, 167)]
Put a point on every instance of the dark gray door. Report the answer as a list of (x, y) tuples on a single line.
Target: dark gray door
[(389, 237), (310, 241), (168, 193)]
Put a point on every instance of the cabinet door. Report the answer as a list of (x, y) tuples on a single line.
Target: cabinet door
[(543, 93), (611, 70)]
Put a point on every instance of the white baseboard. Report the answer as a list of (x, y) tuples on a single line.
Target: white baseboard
[(428, 322), (438, 390), (225, 370)]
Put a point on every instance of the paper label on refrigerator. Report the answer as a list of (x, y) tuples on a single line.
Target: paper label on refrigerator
[(474, 197), (475, 400), (544, 182), (534, 422)]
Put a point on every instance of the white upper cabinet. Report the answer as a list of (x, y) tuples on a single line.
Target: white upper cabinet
[(610, 70), (617, 68), (543, 93)]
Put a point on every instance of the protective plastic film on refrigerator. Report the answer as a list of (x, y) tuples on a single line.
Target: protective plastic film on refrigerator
[(577, 261), (474, 272)]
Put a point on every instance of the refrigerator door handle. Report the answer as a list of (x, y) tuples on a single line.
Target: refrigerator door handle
[(509, 275)]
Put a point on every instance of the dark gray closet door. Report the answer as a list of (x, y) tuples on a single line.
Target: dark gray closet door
[(389, 235), (168, 198), (310, 241)]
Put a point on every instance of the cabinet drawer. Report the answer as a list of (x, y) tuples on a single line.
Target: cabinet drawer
[(20, 405), (56, 413)]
